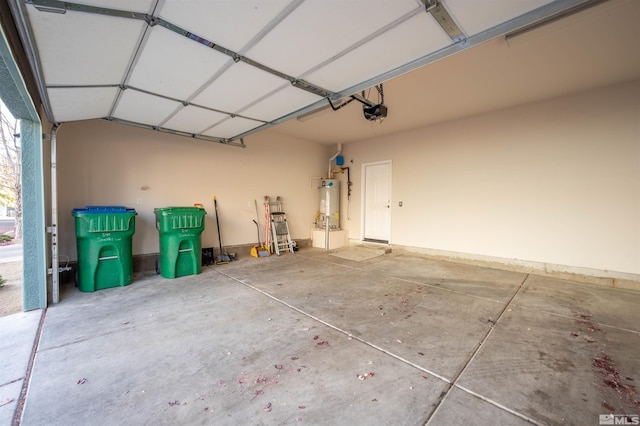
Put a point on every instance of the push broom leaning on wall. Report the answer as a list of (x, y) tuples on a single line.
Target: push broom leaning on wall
[(260, 250)]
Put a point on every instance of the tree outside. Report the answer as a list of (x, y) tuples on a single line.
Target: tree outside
[(10, 173), (10, 205)]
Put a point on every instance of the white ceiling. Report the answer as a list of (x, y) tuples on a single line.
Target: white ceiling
[(221, 69), (595, 48)]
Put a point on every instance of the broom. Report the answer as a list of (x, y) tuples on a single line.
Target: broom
[(222, 257), (260, 250)]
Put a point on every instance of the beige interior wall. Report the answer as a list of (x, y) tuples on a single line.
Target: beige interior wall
[(555, 182), (104, 163)]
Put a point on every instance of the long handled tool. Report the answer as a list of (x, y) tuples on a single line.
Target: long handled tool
[(222, 257), (267, 222), (260, 250)]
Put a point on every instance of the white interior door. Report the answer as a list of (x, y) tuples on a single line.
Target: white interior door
[(377, 202)]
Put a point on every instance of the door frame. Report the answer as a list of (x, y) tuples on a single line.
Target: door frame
[(363, 197), (16, 97)]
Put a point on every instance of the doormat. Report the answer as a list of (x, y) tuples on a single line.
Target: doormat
[(358, 254)]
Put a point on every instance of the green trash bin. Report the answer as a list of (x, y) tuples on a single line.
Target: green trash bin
[(180, 230), (103, 238)]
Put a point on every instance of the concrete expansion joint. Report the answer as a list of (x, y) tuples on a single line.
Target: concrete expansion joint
[(496, 404), (73, 342), (439, 357), (454, 382), (591, 321), (445, 289), (350, 267), (17, 418), (12, 381), (350, 336)]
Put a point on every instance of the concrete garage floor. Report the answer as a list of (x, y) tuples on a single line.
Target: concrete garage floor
[(312, 338)]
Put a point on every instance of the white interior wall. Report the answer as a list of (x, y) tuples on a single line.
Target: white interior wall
[(103, 163), (555, 182)]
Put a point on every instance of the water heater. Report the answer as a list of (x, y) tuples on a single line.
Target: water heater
[(329, 204)]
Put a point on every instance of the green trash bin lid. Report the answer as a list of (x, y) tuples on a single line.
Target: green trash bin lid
[(169, 219), (102, 210), (179, 209), (92, 219)]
